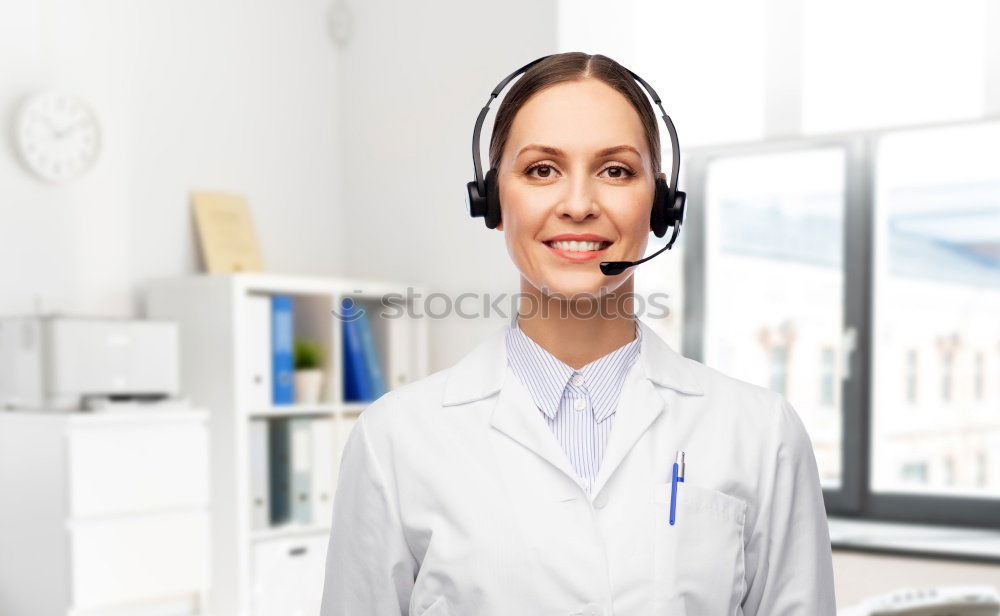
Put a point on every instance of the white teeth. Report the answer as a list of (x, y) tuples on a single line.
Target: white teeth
[(576, 246)]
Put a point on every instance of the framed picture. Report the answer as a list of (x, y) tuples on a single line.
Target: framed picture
[(226, 233)]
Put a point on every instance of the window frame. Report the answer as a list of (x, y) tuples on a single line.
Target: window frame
[(854, 497)]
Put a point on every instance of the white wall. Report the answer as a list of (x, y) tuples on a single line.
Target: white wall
[(414, 78), (225, 95)]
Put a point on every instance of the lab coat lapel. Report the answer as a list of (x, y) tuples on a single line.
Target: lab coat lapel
[(484, 372), (638, 407), (648, 391), (516, 416)]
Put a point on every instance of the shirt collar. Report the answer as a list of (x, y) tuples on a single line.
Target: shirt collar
[(481, 371), (546, 377)]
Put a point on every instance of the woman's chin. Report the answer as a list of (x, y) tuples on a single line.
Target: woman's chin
[(568, 286)]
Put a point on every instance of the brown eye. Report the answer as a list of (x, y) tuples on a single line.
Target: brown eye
[(546, 174), (618, 172)]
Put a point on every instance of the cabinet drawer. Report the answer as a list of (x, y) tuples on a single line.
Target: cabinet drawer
[(288, 575), (130, 468), (126, 559)]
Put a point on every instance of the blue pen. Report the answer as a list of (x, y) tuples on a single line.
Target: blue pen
[(678, 475)]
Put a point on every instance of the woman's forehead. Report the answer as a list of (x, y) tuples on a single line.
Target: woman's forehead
[(577, 117)]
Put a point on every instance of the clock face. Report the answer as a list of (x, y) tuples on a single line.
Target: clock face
[(58, 136)]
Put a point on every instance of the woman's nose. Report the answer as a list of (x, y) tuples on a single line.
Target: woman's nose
[(580, 201)]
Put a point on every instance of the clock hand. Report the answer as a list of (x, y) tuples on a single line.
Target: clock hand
[(70, 129)]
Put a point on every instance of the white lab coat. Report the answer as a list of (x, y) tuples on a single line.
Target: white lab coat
[(455, 499)]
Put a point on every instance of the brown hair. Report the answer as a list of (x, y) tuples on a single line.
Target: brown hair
[(573, 66)]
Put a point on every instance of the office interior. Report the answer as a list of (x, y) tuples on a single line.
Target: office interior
[(841, 246)]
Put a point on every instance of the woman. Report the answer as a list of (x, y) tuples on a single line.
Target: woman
[(537, 476)]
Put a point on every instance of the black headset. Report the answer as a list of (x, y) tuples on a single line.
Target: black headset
[(483, 198)]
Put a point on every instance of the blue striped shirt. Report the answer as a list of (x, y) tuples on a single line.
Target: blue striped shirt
[(579, 405)]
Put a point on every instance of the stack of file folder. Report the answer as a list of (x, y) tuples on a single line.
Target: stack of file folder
[(270, 331), (363, 380), (293, 466)]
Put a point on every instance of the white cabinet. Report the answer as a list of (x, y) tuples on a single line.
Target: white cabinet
[(103, 513), (126, 560), (131, 467), (288, 575)]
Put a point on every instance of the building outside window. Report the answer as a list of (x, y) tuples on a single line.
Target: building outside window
[(911, 376), (978, 386)]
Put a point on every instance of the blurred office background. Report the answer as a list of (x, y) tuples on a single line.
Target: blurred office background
[(842, 241)]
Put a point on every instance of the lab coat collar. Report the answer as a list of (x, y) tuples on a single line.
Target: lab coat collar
[(481, 372)]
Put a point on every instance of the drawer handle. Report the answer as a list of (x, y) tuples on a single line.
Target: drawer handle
[(300, 551)]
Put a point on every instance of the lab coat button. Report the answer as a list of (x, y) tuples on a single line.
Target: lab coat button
[(579, 403), (601, 500)]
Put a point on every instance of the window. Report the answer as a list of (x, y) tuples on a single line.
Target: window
[(982, 468), (914, 473), (947, 366), (773, 278), (887, 243), (827, 376), (830, 253), (779, 369), (936, 285), (949, 471)]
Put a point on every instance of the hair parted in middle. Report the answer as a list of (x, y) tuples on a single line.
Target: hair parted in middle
[(573, 66)]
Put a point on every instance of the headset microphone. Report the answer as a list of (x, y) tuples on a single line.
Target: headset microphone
[(613, 268), (483, 194)]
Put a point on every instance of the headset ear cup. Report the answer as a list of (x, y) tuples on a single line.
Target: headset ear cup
[(658, 216), (677, 215), (492, 199), (474, 202)]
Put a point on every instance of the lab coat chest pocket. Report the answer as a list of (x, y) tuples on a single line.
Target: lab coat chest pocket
[(700, 558)]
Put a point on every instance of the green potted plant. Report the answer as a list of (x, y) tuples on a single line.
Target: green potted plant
[(308, 371)]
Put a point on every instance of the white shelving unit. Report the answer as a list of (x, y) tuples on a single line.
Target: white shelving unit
[(279, 569)]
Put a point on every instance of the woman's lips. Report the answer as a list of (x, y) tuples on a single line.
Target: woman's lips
[(579, 256)]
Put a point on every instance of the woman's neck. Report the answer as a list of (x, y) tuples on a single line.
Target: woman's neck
[(577, 331)]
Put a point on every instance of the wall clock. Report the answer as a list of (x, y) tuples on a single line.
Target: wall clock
[(58, 135)]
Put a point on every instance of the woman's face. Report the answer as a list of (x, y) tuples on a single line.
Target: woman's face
[(576, 163)]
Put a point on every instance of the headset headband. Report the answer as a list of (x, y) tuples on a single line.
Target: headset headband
[(675, 164)]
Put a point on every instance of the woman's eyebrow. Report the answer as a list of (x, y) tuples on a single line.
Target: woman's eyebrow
[(557, 152)]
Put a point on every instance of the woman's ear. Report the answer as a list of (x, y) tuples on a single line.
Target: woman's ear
[(499, 226)]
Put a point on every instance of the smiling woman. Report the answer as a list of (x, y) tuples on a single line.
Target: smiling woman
[(535, 476), (595, 184)]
